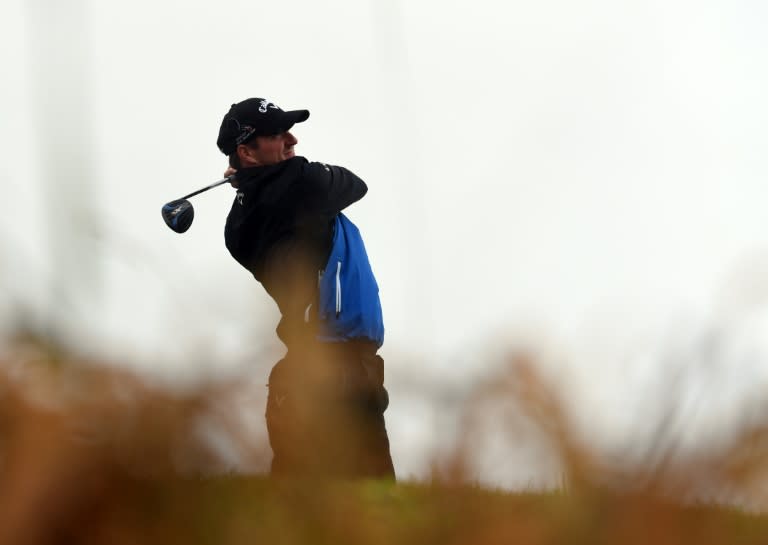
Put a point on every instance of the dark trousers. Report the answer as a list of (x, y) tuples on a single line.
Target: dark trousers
[(325, 413)]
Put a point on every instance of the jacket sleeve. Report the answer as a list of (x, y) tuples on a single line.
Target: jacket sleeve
[(330, 189)]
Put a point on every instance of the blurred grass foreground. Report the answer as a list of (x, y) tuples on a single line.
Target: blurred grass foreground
[(93, 455)]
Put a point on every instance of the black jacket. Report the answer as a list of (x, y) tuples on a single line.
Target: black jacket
[(280, 228)]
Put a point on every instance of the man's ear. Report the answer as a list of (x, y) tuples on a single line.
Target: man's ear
[(246, 156)]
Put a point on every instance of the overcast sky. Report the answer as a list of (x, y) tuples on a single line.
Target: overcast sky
[(589, 177)]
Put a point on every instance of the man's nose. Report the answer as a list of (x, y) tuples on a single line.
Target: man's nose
[(290, 139)]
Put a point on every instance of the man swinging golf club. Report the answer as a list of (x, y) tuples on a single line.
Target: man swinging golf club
[(326, 401)]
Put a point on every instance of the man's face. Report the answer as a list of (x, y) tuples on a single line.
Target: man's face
[(271, 150)]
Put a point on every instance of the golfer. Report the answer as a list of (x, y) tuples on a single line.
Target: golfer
[(326, 401)]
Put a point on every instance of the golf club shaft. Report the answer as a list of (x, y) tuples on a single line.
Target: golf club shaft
[(206, 188)]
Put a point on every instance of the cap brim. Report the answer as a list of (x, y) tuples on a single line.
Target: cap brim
[(288, 120), (297, 116)]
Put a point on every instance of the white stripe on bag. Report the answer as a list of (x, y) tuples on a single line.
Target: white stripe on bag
[(338, 289)]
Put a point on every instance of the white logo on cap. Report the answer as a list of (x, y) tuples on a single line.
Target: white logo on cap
[(264, 104)]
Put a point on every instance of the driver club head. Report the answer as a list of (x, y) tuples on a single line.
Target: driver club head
[(178, 214)]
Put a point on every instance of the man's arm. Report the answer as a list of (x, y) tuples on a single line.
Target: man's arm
[(330, 189)]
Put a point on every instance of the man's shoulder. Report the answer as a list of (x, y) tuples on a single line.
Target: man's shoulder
[(324, 173), (301, 169), (316, 173), (312, 167)]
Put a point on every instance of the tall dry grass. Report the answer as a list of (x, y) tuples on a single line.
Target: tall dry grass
[(94, 455)]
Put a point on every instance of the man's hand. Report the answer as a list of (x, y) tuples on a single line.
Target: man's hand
[(231, 172)]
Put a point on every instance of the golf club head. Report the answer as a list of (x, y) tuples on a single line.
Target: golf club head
[(178, 215)]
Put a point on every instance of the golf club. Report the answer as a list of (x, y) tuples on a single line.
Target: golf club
[(178, 214)]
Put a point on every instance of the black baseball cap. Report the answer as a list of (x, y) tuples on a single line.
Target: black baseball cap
[(255, 117)]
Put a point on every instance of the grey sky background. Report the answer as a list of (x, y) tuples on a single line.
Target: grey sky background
[(585, 178)]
